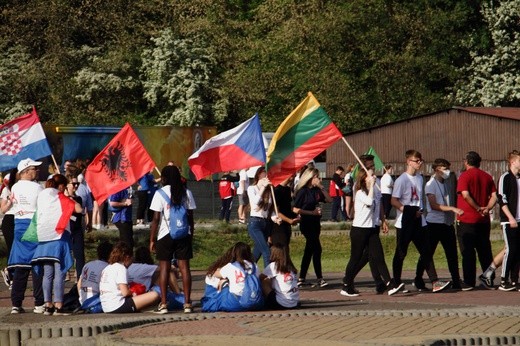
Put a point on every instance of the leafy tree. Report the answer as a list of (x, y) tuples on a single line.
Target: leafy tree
[(178, 82), (493, 77)]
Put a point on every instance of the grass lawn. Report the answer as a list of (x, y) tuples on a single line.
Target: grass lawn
[(213, 239)]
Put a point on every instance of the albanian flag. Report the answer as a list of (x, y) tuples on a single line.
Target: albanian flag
[(120, 164)]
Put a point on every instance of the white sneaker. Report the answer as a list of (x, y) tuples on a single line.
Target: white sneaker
[(395, 289), (39, 309)]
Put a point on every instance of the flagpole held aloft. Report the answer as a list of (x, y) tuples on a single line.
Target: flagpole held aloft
[(355, 155)]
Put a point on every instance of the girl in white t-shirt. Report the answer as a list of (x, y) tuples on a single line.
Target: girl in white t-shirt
[(279, 280), (225, 279), (115, 294)]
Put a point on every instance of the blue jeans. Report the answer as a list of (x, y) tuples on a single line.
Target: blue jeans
[(257, 229), (53, 280)]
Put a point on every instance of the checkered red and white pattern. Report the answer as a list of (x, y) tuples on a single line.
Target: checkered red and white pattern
[(10, 143)]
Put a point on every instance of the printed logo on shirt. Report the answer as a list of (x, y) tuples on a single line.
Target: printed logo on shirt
[(288, 278), (239, 276), (415, 196)]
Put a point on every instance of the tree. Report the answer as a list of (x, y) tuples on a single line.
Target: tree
[(179, 82), (493, 76)]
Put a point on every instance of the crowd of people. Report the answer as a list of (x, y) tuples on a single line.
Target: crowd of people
[(119, 281)]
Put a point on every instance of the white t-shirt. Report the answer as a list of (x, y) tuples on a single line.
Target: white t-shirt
[(5, 195), (90, 277), (243, 178), (440, 191), (363, 210), (253, 192), (285, 286), (161, 205), (24, 195), (236, 276), (110, 295), (409, 190), (141, 273), (387, 184)]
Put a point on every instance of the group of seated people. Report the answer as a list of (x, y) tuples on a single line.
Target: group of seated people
[(119, 282)]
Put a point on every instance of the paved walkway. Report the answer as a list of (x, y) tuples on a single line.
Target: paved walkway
[(480, 317)]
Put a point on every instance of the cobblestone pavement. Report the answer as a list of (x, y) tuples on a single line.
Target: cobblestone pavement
[(479, 317)]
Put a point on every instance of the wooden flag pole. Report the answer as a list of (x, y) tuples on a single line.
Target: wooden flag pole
[(157, 170), (274, 200), (355, 155), (55, 164)]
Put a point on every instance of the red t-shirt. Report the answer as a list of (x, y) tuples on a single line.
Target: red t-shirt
[(480, 186)]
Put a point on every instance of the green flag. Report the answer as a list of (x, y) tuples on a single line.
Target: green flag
[(377, 163)]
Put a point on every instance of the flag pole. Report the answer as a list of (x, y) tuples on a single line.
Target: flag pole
[(355, 155), (157, 170), (55, 164), (274, 200)]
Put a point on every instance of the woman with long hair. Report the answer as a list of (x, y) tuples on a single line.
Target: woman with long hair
[(260, 224), (309, 193), (279, 281), (54, 255), (115, 293), (225, 280), (163, 244)]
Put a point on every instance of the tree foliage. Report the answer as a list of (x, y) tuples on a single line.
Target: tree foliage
[(211, 62), (493, 77)]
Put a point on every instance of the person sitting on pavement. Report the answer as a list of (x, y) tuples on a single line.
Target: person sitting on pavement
[(280, 281), (88, 282), (115, 293), (225, 279)]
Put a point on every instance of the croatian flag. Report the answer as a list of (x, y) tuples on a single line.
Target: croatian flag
[(21, 138), (51, 218), (239, 148)]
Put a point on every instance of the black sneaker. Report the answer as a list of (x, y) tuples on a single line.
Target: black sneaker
[(381, 288), (17, 310), (463, 286), (301, 282), (506, 286), (322, 283), (419, 285), (161, 309), (487, 282), (48, 310), (349, 291), (60, 312)]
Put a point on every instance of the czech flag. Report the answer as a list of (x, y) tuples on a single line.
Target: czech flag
[(239, 148), (51, 218)]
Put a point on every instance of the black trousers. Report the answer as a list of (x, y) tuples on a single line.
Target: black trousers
[(20, 278), (126, 233), (366, 241), (386, 203), (474, 237), (225, 209), (511, 263), (445, 234), (338, 205), (411, 231), (311, 231)]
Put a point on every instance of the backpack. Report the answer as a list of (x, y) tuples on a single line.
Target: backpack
[(179, 226), (252, 297), (92, 305)]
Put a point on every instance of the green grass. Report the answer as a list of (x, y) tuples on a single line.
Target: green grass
[(213, 239)]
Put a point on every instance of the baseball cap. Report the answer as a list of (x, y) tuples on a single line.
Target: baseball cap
[(26, 163)]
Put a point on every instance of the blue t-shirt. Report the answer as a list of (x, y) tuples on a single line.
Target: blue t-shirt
[(147, 182), (123, 214)]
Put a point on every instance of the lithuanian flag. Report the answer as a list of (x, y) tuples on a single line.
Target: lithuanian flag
[(304, 134)]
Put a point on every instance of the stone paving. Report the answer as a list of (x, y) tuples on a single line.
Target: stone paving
[(480, 317)]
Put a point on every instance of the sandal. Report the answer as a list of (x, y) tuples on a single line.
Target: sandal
[(188, 308)]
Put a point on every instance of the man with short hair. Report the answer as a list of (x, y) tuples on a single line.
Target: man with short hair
[(408, 200), (24, 195), (476, 196), (509, 201), (440, 220)]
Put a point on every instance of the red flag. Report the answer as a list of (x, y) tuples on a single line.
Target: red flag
[(120, 164)]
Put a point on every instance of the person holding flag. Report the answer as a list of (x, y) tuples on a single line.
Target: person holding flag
[(23, 198), (53, 253)]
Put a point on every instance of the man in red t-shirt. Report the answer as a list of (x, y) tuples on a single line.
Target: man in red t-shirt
[(476, 196), (226, 189)]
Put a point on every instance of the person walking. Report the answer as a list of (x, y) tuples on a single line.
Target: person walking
[(408, 200), (243, 199), (309, 194), (476, 196), (387, 186), (336, 193), (260, 225), (120, 204), (509, 201), (226, 189)]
